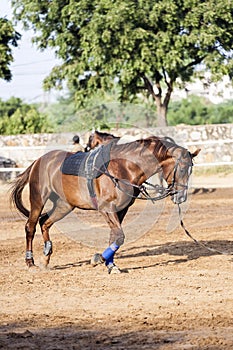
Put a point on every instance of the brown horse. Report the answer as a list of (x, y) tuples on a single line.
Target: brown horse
[(116, 188)]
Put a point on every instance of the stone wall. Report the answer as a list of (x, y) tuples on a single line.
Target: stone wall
[(215, 141)]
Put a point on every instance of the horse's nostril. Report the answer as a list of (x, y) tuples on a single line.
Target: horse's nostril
[(182, 198), (179, 198)]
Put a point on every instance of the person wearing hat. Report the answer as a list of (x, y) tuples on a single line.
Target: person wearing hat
[(77, 147)]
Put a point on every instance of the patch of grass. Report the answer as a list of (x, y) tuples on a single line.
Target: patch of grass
[(213, 170)]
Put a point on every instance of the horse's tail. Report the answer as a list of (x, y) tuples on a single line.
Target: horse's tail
[(17, 188)]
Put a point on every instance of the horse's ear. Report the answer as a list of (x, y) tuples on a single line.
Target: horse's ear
[(194, 154)]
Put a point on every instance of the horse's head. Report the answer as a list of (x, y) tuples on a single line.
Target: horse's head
[(91, 142), (99, 138), (176, 171)]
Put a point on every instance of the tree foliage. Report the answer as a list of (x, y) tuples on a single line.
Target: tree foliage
[(8, 39), (17, 117), (107, 113), (196, 110), (143, 45), (100, 112)]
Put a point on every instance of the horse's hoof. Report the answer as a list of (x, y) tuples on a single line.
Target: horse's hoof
[(30, 263), (112, 269), (34, 268), (97, 259), (45, 267), (45, 262)]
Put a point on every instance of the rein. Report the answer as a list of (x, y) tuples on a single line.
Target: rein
[(198, 242), (165, 192)]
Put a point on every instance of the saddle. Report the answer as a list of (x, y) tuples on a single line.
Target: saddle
[(90, 165)]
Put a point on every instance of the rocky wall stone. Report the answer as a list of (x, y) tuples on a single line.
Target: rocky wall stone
[(215, 141)]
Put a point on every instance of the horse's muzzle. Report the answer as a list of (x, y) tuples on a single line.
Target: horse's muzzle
[(179, 196)]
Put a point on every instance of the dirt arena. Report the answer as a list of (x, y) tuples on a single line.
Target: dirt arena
[(172, 294)]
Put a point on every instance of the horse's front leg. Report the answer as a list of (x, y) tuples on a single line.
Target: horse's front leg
[(116, 240)]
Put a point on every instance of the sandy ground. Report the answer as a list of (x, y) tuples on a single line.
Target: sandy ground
[(171, 294)]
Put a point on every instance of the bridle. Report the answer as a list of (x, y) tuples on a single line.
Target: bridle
[(174, 184), (163, 192)]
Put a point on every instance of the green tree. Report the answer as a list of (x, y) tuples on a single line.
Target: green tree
[(144, 46), (100, 112), (197, 110), (192, 111), (7, 108), (8, 39), (17, 117), (221, 113)]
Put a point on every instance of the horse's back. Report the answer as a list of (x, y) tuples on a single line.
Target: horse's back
[(47, 168), (53, 159)]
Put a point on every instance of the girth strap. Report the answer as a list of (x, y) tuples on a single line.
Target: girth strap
[(90, 186), (89, 173)]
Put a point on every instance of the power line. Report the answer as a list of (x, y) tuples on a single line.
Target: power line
[(30, 74), (32, 62)]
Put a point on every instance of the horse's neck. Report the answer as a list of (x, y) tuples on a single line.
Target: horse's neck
[(146, 164)]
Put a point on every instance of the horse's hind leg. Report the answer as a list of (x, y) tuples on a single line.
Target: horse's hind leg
[(60, 210), (48, 248), (30, 229)]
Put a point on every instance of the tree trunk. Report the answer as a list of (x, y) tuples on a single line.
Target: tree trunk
[(157, 97), (161, 115)]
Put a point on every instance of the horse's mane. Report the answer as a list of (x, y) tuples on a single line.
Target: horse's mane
[(162, 147), (105, 134)]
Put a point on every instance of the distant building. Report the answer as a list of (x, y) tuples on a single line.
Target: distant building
[(215, 92)]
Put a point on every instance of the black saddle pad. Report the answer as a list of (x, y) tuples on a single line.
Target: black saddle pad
[(87, 164)]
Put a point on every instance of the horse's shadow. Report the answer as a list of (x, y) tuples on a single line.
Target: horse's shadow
[(184, 251), (203, 190), (181, 252)]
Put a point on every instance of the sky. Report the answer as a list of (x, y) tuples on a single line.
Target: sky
[(29, 68)]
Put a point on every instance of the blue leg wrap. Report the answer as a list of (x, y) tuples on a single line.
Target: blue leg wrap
[(109, 253)]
